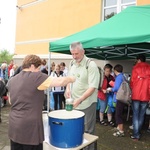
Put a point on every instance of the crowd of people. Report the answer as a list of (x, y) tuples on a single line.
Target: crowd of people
[(84, 83), (111, 82), (6, 72), (56, 70), (139, 84), (26, 92), (57, 93)]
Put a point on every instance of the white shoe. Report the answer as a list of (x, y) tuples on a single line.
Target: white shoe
[(131, 127), (2, 105), (119, 134), (116, 129)]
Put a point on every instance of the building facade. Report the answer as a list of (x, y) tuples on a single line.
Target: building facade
[(42, 21)]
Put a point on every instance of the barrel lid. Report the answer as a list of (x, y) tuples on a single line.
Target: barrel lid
[(63, 114)]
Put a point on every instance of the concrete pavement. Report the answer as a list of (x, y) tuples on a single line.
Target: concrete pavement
[(106, 140)]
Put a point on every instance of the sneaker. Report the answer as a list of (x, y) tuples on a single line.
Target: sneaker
[(115, 129), (148, 130), (119, 134), (2, 104), (134, 138), (131, 127)]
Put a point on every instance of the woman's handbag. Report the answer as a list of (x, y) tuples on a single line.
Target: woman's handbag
[(124, 93)]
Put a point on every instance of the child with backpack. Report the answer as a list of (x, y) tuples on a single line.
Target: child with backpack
[(103, 96), (118, 70)]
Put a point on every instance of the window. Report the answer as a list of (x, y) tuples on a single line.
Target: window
[(112, 7)]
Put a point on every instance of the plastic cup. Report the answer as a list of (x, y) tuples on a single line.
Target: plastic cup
[(69, 107), (69, 104)]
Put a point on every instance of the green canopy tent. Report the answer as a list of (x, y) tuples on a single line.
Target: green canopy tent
[(121, 37)]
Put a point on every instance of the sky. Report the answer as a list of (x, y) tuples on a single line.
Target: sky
[(8, 24)]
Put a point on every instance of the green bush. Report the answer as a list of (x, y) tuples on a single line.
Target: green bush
[(5, 56)]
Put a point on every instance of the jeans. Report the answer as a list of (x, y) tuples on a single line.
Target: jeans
[(139, 109), (58, 99), (103, 107)]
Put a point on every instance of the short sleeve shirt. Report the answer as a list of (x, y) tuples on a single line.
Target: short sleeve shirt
[(86, 77), (25, 118)]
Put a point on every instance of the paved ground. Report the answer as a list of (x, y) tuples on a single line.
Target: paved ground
[(4, 141), (106, 140)]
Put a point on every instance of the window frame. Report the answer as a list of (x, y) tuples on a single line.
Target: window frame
[(118, 6)]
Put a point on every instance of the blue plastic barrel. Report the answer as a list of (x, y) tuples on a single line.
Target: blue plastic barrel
[(66, 128)]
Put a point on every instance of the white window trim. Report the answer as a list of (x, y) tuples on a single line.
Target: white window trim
[(107, 7), (118, 6), (30, 4), (129, 3)]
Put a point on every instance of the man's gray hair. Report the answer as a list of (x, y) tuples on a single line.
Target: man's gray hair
[(76, 45)]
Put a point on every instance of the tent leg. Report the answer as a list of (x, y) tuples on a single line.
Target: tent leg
[(104, 62), (48, 90)]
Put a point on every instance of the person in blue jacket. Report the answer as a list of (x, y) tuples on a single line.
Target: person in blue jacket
[(118, 69)]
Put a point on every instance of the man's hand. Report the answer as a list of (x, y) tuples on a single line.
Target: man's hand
[(86, 94), (76, 103), (67, 93)]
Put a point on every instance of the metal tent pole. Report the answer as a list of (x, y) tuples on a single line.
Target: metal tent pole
[(48, 90)]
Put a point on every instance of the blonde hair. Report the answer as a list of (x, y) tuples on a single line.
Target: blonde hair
[(15, 67)]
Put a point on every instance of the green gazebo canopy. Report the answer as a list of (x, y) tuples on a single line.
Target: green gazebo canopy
[(121, 37)]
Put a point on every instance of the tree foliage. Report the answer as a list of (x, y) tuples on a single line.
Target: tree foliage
[(109, 15), (5, 56)]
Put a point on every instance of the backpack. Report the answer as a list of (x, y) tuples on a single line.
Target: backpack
[(99, 68), (124, 93), (101, 72)]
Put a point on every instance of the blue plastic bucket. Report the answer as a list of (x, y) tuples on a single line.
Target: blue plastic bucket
[(66, 128)]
